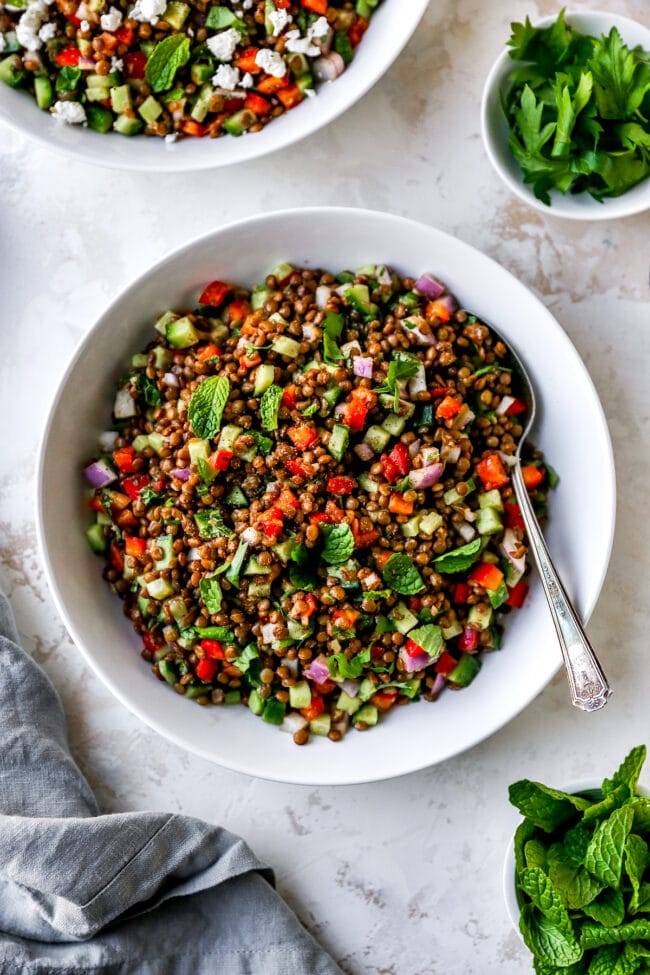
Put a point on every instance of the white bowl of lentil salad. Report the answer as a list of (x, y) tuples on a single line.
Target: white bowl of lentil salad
[(149, 86), (294, 244)]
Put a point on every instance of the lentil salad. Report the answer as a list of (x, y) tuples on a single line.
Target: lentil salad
[(176, 69), (306, 504)]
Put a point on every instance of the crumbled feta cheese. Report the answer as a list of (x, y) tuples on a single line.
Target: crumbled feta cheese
[(226, 77), (83, 11), (300, 45), (112, 20), (319, 28), (72, 113), (148, 10), (247, 4), (271, 62), (29, 25), (117, 64), (223, 44), (280, 19), (171, 138), (84, 26), (47, 31), (247, 81), (3, 43)]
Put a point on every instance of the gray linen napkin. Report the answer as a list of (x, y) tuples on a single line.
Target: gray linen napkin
[(147, 893)]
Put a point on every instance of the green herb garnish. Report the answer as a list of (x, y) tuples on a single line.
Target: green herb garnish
[(148, 389), (401, 575), (341, 668), (234, 569), (207, 405), (458, 559), (403, 366), (210, 524), (269, 407), (339, 543), (211, 594), (164, 61)]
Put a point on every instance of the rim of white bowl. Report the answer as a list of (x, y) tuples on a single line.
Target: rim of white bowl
[(251, 148), (158, 725), (561, 206)]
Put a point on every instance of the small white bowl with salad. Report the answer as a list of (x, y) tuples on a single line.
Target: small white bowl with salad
[(564, 115)]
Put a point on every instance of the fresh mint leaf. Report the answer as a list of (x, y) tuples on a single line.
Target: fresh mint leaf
[(604, 856), (535, 854), (576, 842), (148, 389), (547, 942), (628, 771), (211, 594), (208, 403), (594, 935), (547, 808), (205, 471), (270, 406), (608, 908), (331, 351), (607, 805), (233, 571), (524, 832), (333, 324), (244, 660), (458, 559), (339, 543), (263, 445), (635, 863), (401, 575), (547, 900), (576, 885), (430, 638), (164, 61), (210, 524)]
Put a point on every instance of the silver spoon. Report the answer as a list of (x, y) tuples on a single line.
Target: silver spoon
[(588, 685)]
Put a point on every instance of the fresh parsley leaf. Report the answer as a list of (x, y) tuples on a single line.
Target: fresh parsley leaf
[(341, 668), (210, 524), (148, 495), (164, 61), (331, 351), (148, 389), (333, 324), (621, 79), (458, 559), (339, 543), (263, 444), (207, 405), (211, 594), (401, 367), (401, 575), (269, 407), (233, 571)]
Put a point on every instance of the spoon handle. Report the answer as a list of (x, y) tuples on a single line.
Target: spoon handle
[(587, 682)]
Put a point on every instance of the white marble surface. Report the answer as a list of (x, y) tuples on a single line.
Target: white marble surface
[(402, 877)]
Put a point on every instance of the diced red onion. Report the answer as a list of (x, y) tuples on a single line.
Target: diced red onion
[(370, 580), (438, 684), (99, 474), (250, 535), (504, 405), (107, 440), (418, 662), (181, 473), (468, 514), (362, 366), (468, 640), (268, 633), (351, 687), (350, 347), (418, 383), (509, 545), (413, 448), (450, 454), (171, 379), (322, 295), (427, 285), (383, 275), (318, 670), (430, 455), (364, 451), (87, 64), (292, 722), (309, 331), (466, 531), (413, 325), (425, 477), (450, 303), (508, 459), (124, 407), (329, 67), (342, 725)]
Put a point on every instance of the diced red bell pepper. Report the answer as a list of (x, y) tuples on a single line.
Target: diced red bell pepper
[(233, 105), (213, 649), (461, 592), (316, 6), (333, 515), (298, 469), (354, 411), (248, 361), (302, 435), (517, 594), (384, 700), (272, 521), (468, 640), (516, 407), (246, 61), (341, 485), (135, 546), (312, 606), (415, 603), (412, 648), (73, 19), (206, 669), (440, 391), (215, 293), (238, 310), (283, 4), (381, 558), (513, 518), (220, 460), (390, 468), (287, 502), (123, 459), (117, 557), (271, 85), (401, 458), (256, 104), (289, 397), (448, 408), (356, 32), (345, 618), (120, 501), (152, 641), (492, 472), (125, 519), (316, 707), (124, 35), (445, 664), (533, 476), (135, 63), (96, 504), (208, 351), (325, 687), (133, 485), (195, 129), (488, 575), (290, 96), (68, 57), (376, 651), (399, 505), (365, 540), (438, 309)]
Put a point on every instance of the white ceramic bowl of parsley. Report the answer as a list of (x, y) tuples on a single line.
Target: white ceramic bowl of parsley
[(494, 128), (391, 26), (338, 238)]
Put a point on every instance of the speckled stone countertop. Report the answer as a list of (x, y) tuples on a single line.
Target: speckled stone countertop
[(401, 877)]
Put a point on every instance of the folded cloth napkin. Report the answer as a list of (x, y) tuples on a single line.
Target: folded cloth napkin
[(146, 893)]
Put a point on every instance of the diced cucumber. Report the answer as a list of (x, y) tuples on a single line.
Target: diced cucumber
[(259, 590), (367, 483), (286, 346), (498, 596), (453, 497), (11, 42), (204, 100), (232, 697), (366, 690), (96, 539), (175, 14), (238, 123), (331, 396), (181, 333), (127, 126), (150, 109), (178, 609), (139, 360), (488, 522), (277, 319), (168, 671), (161, 326), (403, 618), (305, 82), (273, 711), (321, 725), (236, 498), (368, 714), (162, 358), (298, 631), (255, 702), (300, 695), (348, 704), (411, 528), (284, 549), (298, 65), (160, 588), (144, 605), (11, 71), (394, 424), (259, 297), (377, 438), (491, 499), (264, 376), (45, 95), (465, 670), (513, 575), (338, 442), (156, 441), (282, 271), (198, 449), (405, 410), (229, 436), (255, 568), (168, 558), (120, 98), (454, 629), (103, 519), (140, 442), (359, 297), (481, 618), (430, 523)]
